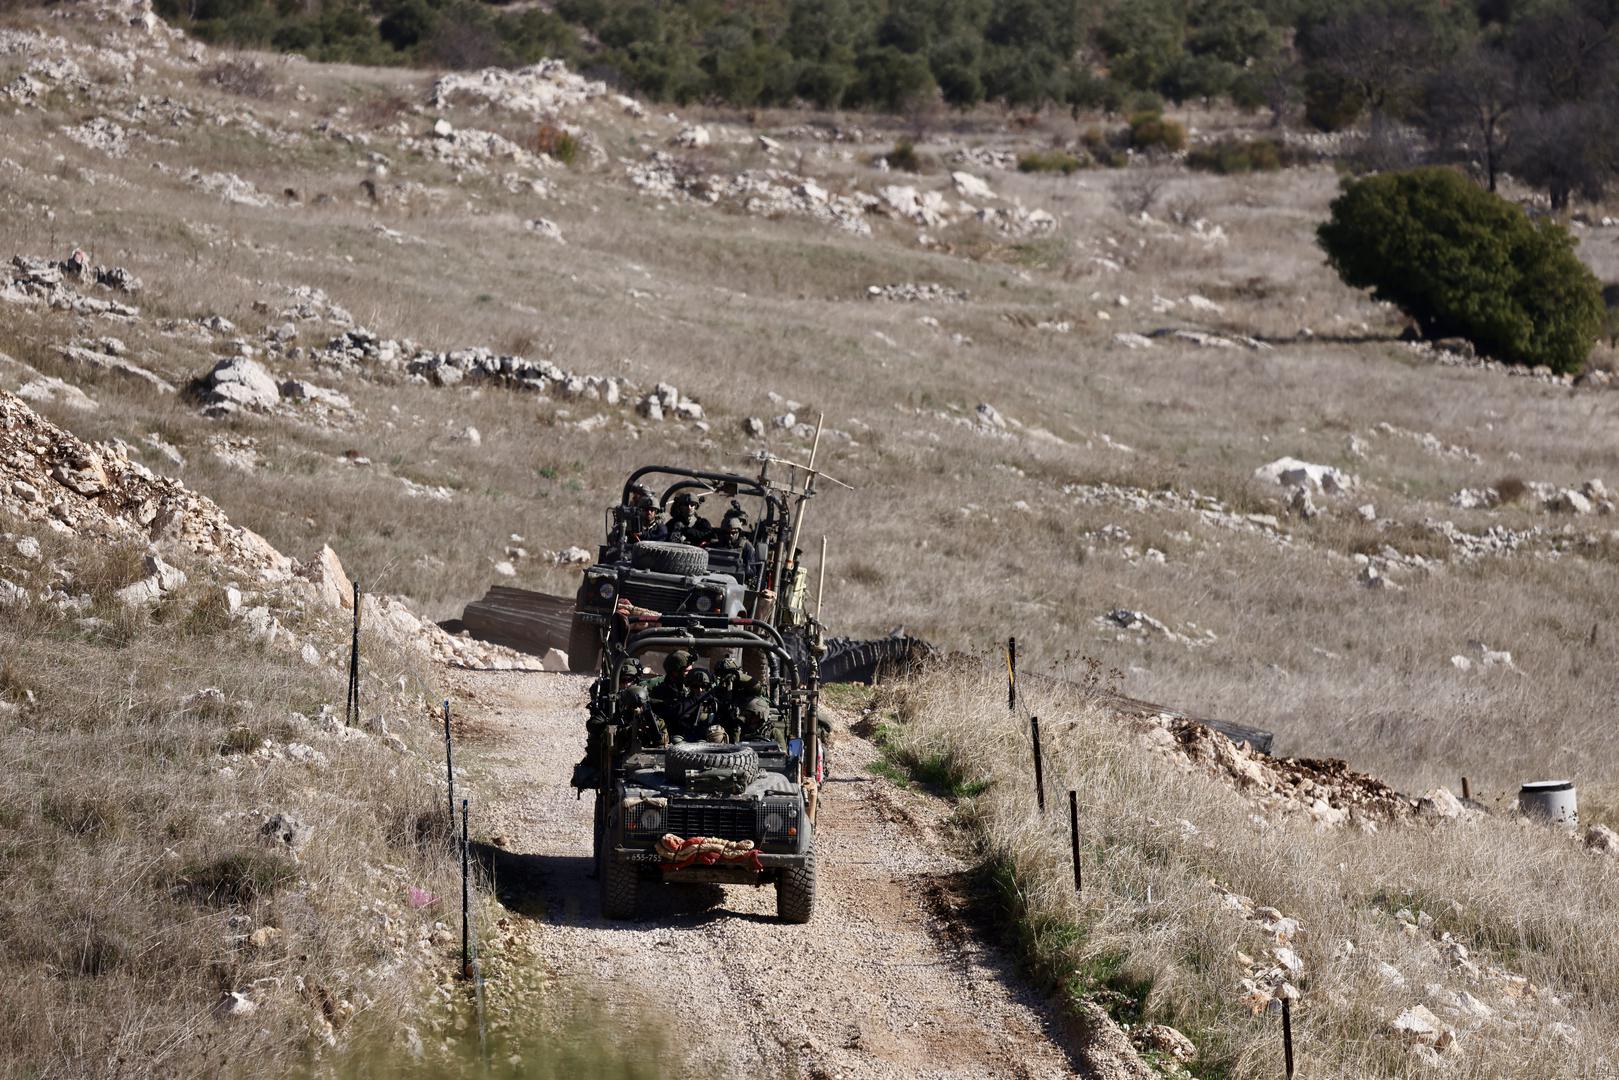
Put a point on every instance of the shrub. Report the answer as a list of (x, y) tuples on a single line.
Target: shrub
[(1151, 131), (1048, 161), (555, 142), (1237, 156), (904, 157), (1466, 263), (245, 78)]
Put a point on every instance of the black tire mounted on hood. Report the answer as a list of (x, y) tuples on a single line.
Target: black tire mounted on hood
[(665, 558), (695, 757)]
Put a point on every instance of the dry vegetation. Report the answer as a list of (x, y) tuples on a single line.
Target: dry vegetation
[(959, 534), (1153, 940), (146, 751)]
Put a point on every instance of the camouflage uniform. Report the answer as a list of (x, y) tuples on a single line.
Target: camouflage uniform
[(684, 525), (606, 708), (758, 722)]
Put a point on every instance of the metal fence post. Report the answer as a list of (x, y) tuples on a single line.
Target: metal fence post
[(353, 708), (1073, 833), (1287, 1036), (1039, 765), (466, 912), (449, 763)]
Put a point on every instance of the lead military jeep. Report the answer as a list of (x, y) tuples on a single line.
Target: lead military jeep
[(736, 813)]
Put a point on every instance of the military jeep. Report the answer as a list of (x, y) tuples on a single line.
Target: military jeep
[(676, 578), (656, 803)]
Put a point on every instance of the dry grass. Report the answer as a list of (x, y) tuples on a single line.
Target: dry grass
[(1152, 940), (134, 869), (730, 306)]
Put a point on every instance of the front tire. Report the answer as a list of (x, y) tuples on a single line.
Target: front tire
[(795, 891), (620, 888)]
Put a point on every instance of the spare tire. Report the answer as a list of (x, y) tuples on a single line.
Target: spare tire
[(682, 758), (662, 557)]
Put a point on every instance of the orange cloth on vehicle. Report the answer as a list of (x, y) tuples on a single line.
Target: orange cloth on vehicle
[(677, 854)]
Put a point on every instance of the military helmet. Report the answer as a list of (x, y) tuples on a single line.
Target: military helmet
[(686, 498), (727, 666), (633, 697), (631, 669), (676, 662), (698, 679), (756, 709)]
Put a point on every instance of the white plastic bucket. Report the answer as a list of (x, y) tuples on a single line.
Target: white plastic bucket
[(1553, 801)]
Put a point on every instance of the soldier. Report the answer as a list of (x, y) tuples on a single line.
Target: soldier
[(644, 525), (731, 534), (696, 708), (605, 707), (685, 526), (669, 691), (757, 722), (733, 688)]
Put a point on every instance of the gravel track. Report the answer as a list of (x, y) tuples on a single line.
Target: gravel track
[(886, 981)]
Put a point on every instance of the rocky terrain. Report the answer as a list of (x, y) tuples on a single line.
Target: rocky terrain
[(271, 326)]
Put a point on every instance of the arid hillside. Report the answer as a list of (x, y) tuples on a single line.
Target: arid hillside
[(1126, 414)]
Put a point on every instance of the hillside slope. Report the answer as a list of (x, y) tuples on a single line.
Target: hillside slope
[(374, 309)]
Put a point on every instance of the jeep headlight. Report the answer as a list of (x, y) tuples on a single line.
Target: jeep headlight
[(779, 822), (649, 819), (704, 604), (606, 590)]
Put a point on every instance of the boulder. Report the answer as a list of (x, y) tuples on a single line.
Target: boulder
[(1293, 473), (160, 578), (555, 660), (1569, 501), (1163, 1039), (239, 382), (692, 136), (1419, 1026), (332, 585), (969, 186)]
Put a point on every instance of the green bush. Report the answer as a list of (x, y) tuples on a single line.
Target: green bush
[(1228, 156), (1151, 131), (1048, 161), (904, 157), (1466, 263)]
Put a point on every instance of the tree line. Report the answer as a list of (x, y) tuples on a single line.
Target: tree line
[(1526, 86)]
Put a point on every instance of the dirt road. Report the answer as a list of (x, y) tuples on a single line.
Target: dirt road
[(886, 981)]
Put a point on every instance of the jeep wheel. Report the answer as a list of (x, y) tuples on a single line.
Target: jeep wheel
[(620, 888), (584, 647), (695, 757), (661, 557), (795, 891)]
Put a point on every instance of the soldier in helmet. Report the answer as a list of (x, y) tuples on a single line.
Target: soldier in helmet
[(757, 722), (685, 525), (668, 692), (732, 533), (644, 523), (696, 716), (606, 701), (733, 688)]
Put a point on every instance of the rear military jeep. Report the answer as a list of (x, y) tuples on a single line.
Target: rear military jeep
[(679, 577), (735, 813)]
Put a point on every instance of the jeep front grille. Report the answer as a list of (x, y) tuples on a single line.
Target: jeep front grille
[(655, 595), (717, 819)]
